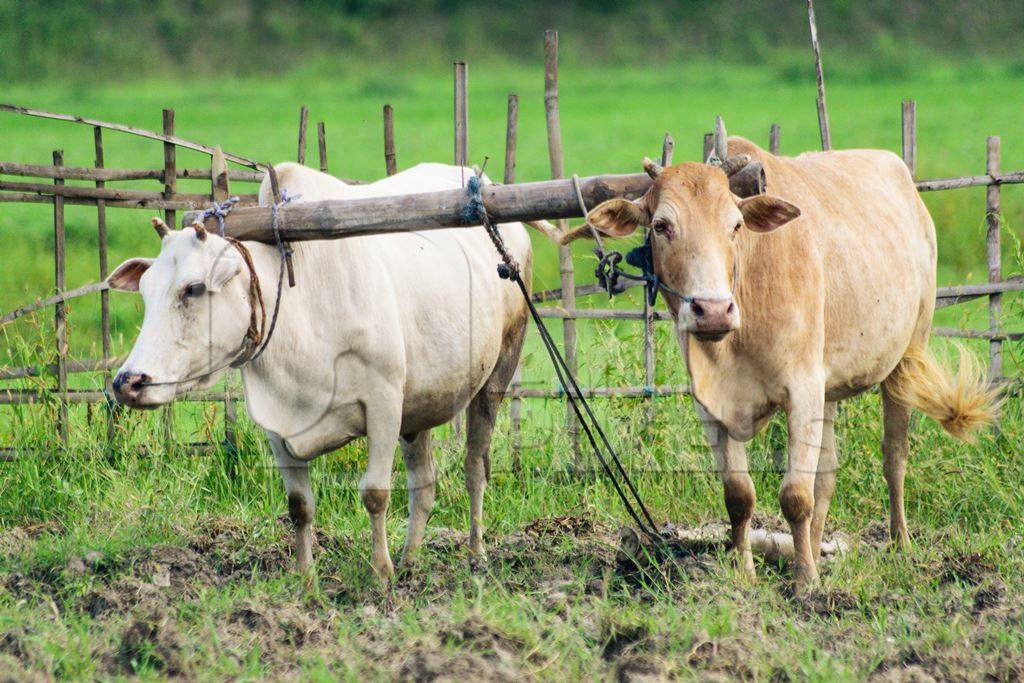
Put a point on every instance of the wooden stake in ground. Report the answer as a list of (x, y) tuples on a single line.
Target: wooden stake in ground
[(565, 265), (60, 313), (321, 139), (303, 124), (909, 121), (993, 253), (389, 140), (461, 107), (101, 234), (515, 410), (826, 136), (170, 188), (773, 139)]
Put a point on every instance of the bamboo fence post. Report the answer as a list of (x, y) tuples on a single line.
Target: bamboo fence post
[(909, 147), (101, 230), (668, 146), (60, 313), (826, 135), (773, 139), (389, 140), (220, 190), (321, 141), (994, 257), (709, 146), (170, 217), (461, 114), (515, 410), (303, 123), (565, 264)]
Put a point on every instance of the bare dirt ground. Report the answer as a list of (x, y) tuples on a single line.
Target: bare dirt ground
[(172, 609)]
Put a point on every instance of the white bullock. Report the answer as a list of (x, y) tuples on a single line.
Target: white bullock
[(385, 336)]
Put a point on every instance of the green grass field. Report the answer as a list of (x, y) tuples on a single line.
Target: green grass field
[(116, 565)]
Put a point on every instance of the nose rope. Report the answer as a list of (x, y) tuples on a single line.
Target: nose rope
[(257, 335), (608, 271)]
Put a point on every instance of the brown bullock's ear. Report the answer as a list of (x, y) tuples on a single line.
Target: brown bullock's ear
[(126, 276), (614, 218), (763, 213)]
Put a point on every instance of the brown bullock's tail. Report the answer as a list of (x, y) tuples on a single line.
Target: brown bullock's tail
[(961, 403)]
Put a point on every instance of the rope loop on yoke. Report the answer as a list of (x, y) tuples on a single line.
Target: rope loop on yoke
[(220, 212)]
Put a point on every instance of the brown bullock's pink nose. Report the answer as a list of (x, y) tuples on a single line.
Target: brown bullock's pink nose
[(713, 318)]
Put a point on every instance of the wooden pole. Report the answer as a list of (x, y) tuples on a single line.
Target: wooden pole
[(389, 140), (909, 120), (993, 252), (565, 265), (219, 189), (303, 123), (668, 146), (60, 313), (321, 140), (461, 114), (101, 229), (826, 136), (773, 139), (170, 188), (515, 410), (460, 105)]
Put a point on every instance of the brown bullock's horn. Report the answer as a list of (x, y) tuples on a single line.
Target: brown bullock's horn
[(200, 231), (160, 227), (652, 169)]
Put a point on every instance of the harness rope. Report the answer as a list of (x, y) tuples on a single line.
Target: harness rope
[(258, 335), (508, 269)]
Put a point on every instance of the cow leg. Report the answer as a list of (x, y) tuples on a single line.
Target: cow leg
[(421, 478), (740, 497), (301, 505), (482, 412), (383, 423), (825, 480), (895, 448), (796, 496)]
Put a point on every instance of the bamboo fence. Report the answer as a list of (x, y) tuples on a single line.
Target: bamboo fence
[(170, 200)]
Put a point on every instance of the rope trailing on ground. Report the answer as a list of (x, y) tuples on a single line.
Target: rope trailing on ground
[(508, 269)]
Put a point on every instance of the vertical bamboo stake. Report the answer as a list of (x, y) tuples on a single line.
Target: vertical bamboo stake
[(389, 140), (461, 114), (101, 229), (995, 270), (460, 106), (773, 139), (60, 313), (303, 123), (170, 217), (321, 141), (515, 410), (826, 136), (909, 120), (668, 146), (709, 146), (564, 253), (220, 190)]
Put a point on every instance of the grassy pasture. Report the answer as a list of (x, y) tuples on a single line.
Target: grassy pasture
[(165, 565)]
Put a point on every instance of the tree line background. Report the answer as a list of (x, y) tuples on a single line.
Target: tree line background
[(131, 39)]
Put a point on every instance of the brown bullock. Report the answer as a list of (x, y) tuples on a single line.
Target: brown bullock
[(798, 318)]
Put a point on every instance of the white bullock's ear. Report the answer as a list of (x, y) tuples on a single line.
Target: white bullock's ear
[(127, 275), (763, 213), (614, 218), (227, 265)]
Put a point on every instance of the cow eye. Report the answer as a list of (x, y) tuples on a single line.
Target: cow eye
[(660, 226), (739, 224), (194, 290)]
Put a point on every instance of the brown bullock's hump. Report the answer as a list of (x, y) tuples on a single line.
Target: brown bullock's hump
[(848, 283)]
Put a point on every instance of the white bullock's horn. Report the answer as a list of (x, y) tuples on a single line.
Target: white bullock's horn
[(652, 169), (160, 227), (200, 231)]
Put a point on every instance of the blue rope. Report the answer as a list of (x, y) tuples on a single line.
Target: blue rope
[(220, 211)]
